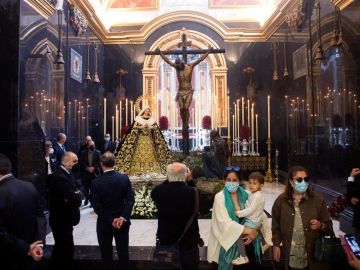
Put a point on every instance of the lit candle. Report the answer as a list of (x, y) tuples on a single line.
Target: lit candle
[(117, 121), (104, 115), (119, 118), (228, 115), (233, 131), (268, 112), (236, 120), (248, 112), (257, 127), (252, 121), (132, 113), (242, 111), (126, 112), (237, 111), (112, 127)]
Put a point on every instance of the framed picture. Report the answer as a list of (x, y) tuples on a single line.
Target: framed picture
[(135, 4), (300, 62), (76, 66), (232, 3)]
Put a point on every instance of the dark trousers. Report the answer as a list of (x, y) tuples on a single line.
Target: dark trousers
[(86, 182), (62, 256), (190, 259), (252, 265), (105, 233)]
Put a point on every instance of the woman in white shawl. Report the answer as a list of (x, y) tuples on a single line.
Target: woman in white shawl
[(143, 149), (226, 228)]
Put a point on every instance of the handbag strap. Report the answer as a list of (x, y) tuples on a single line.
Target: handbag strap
[(196, 211)]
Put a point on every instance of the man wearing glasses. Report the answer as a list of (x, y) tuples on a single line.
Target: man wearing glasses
[(65, 200)]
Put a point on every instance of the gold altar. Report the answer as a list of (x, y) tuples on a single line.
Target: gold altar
[(249, 163)]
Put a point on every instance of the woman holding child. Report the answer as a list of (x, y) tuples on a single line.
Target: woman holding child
[(232, 226), (299, 216)]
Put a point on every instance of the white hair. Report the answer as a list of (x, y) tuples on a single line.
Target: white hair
[(176, 172)]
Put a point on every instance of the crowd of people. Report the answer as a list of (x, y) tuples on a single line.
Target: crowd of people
[(239, 233)]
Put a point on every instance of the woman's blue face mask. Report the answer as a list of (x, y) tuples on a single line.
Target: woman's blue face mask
[(301, 187), (232, 186)]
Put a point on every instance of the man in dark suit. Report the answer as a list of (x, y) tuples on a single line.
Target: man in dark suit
[(19, 216), (108, 145), (59, 147), (113, 199), (89, 168), (65, 200), (175, 202), (353, 193)]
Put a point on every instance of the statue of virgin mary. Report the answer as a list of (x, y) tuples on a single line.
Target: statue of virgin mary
[(143, 149)]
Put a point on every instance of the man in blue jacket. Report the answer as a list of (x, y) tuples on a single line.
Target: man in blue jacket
[(112, 198)]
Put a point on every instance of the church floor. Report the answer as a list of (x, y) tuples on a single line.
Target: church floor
[(142, 235)]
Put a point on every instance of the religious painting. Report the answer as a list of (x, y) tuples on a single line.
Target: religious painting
[(300, 62), (232, 3), (76, 66), (134, 4)]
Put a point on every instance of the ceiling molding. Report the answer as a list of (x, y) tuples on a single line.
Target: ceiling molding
[(341, 3), (140, 36), (43, 7)]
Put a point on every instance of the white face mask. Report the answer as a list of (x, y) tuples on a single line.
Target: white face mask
[(51, 150), (107, 139)]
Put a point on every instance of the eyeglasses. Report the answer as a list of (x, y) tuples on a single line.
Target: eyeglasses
[(75, 161), (233, 169), (48, 145), (300, 179)]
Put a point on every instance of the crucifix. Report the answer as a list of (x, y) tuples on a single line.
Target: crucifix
[(184, 75)]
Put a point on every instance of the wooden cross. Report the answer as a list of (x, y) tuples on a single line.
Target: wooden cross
[(184, 51)]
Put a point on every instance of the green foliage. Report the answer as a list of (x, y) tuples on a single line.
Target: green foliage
[(219, 186)]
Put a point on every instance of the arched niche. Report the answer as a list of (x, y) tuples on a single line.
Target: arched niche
[(218, 72)]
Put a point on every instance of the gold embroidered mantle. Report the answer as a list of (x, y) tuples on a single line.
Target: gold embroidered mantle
[(143, 150)]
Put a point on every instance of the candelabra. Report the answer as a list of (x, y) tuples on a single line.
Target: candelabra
[(268, 174), (59, 7)]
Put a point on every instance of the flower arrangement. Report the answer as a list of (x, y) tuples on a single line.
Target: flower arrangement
[(163, 123), (206, 122), (144, 206)]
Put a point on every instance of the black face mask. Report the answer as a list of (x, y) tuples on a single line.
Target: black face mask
[(91, 147)]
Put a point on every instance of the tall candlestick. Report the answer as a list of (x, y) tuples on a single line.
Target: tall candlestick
[(252, 121), (248, 112), (268, 112), (233, 124), (126, 112), (236, 120), (104, 116), (242, 111), (120, 117), (237, 111), (228, 115), (117, 121), (112, 127), (257, 127), (131, 112)]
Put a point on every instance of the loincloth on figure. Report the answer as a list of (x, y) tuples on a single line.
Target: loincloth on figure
[(184, 98)]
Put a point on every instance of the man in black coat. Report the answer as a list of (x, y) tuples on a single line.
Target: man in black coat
[(175, 202), (64, 203), (113, 199), (84, 145), (20, 216), (353, 193), (107, 145), (59, 147), (89, 162)]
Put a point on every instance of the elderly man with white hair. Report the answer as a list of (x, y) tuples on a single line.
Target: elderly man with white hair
[(175, 202)]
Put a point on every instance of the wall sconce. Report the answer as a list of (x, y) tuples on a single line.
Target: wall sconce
[(60, 10)]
